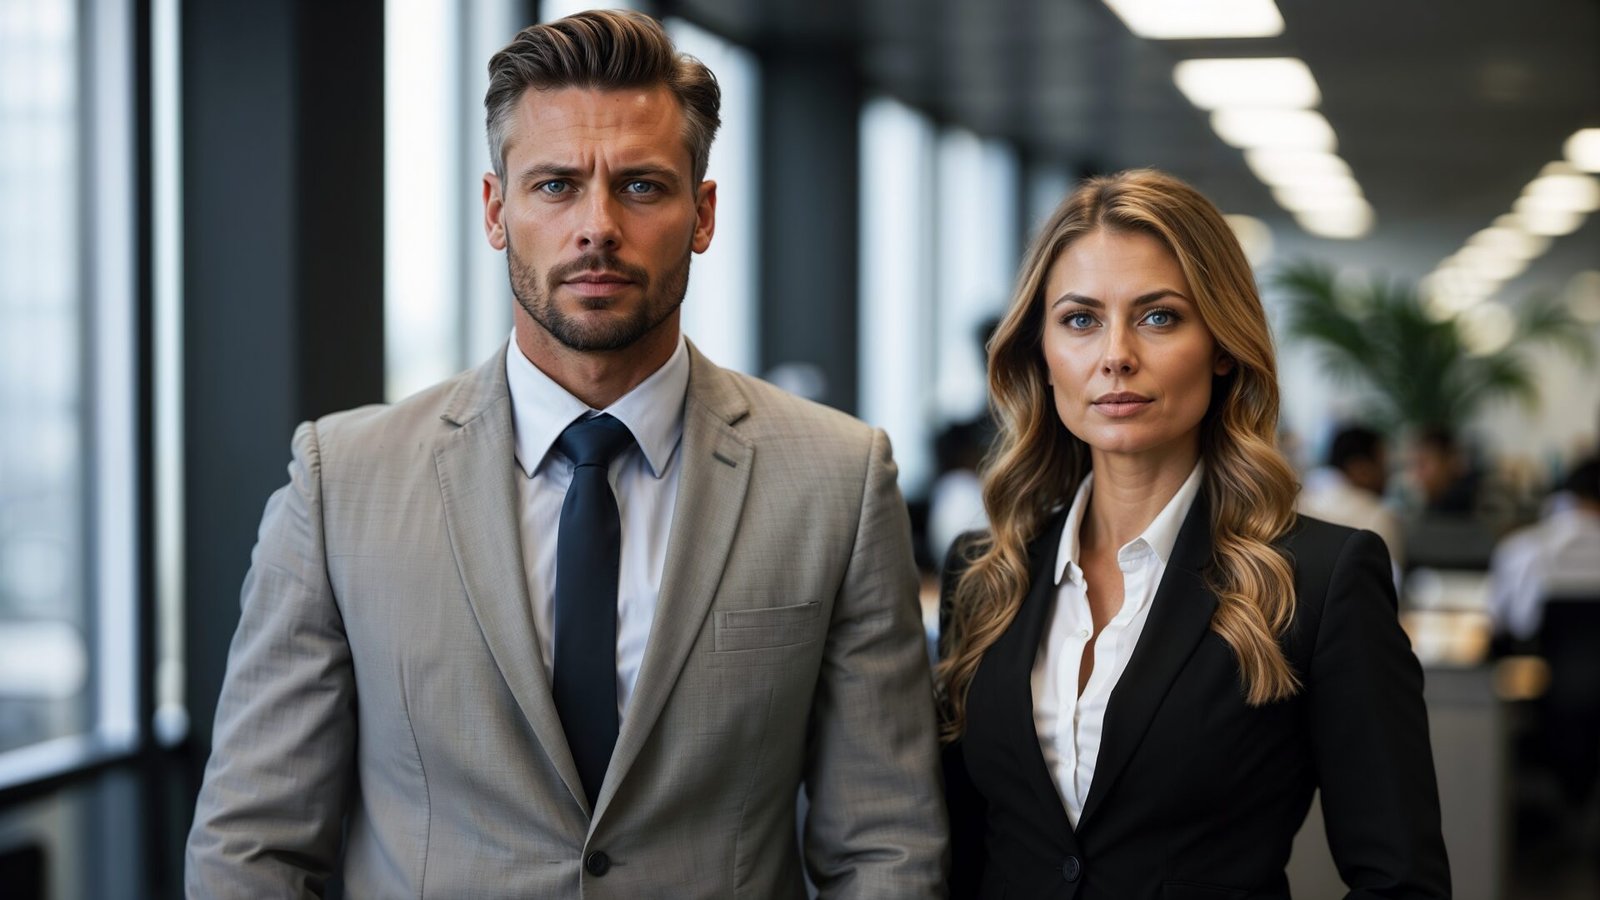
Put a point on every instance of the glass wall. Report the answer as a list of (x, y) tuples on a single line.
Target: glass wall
[(719, 311), (897, 285), (446, 304), (67, 386)]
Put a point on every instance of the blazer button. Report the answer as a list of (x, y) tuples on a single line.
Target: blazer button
[(598, 863), (1071, 869)]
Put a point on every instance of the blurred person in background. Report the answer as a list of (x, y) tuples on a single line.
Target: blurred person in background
[(1445, 480), (1151, 662), (582, 621), (1348, 490), (1557, 556)]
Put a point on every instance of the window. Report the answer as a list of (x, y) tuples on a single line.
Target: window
[(897, 322), (719, 310), (447, 305), (978, 252), (68, 461)]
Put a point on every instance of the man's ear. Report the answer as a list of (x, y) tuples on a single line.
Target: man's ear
[(705, 216), (494, 205)]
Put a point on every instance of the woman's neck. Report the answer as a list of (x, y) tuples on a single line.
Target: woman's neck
[(1127, 496)]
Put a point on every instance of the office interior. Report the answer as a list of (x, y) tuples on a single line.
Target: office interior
[(220, 219)]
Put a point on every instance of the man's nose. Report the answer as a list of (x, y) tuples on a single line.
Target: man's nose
[(599, 230)]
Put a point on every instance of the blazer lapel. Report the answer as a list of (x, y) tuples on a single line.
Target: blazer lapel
[(476, 469), (716, 462), (1179, 618), (1014, 655)]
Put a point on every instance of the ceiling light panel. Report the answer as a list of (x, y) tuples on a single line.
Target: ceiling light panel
[(1276, 83), (1274, 129), (1193, 19), (1583, 149)]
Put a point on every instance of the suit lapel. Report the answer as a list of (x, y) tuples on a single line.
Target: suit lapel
[(716, 462), (1015, 654), (476, 466), (1179, 618)]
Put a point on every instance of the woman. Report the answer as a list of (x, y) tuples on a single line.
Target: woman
[(1150, 663)]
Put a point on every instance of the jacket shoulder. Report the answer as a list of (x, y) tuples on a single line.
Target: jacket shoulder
[(776, 413), (366, 432)]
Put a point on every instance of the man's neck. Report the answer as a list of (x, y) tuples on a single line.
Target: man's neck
[(598, 378)]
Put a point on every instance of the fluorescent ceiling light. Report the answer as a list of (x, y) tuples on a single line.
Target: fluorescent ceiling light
[(1583, 149), (1513, 243), (1350, 222), (1187, 19), (1560, 188), (1327, 193), (1281, 168), (1488, 264), (1275, 129), (1278, 83), (1255, 238), (1543, 220)]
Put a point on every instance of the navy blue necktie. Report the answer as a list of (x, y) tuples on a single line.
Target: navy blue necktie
[(588, 557)]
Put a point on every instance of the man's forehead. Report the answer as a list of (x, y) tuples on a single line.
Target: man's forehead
[(643, 124)]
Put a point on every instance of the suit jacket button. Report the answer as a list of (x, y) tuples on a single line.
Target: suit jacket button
[(598, 863), (1071, 869)]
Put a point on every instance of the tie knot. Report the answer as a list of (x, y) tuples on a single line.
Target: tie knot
[(594, 441)]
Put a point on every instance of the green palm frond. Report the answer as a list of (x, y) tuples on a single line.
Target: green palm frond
[(1418, 371)]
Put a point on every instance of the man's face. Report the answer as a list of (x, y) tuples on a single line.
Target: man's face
[(598, 214)]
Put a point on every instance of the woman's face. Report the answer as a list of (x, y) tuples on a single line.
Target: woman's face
[(1130, 363)]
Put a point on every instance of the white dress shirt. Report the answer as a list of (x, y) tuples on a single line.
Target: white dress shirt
[(644, 479), (1070, 724), (1559, 556)]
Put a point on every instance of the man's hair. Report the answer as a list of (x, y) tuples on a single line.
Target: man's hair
[(601, 50), (1584, 480), (1352, 444)]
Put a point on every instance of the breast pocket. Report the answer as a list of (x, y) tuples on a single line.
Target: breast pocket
[(767, 628)]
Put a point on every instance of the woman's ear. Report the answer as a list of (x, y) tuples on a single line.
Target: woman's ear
[(1224, 364)]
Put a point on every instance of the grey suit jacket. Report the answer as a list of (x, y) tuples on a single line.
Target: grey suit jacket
[(385, 704)]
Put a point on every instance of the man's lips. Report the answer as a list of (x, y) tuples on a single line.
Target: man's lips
[(597, 284)]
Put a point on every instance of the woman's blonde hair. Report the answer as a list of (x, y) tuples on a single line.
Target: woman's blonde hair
[(1037, 464)]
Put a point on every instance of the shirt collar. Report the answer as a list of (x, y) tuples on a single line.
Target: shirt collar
[(542, 409), (1161, 535)]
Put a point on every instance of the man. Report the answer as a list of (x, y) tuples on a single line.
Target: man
[(1349, 489), (1556, 557), (582, 621)]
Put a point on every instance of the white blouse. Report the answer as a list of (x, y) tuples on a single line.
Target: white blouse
[(1069, 724)]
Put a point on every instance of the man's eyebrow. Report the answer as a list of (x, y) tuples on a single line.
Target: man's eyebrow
[(659, 173), (540, 171), (1092, 303)]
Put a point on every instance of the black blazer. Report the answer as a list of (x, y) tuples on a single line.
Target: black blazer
[(1196, 795)]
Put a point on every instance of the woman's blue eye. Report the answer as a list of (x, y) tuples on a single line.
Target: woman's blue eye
[(1079, 320), (1160, 317)]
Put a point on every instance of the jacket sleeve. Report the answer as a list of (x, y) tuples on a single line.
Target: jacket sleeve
[(1369, 730), (271, 808), (876, 823)]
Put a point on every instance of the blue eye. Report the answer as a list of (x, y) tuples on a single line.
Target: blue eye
[(640, 187), (553, 188), (1078, 320), (1161, 317)]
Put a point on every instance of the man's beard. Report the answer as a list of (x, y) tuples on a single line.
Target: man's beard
[(535, 295)]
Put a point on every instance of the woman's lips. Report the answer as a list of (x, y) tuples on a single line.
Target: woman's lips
[(1120, 405)]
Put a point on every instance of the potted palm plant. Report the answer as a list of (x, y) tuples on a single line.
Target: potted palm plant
[(1422, 371)]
